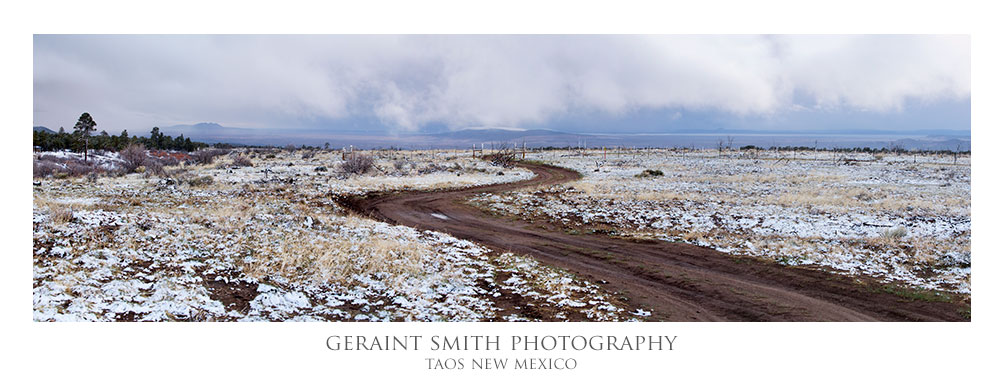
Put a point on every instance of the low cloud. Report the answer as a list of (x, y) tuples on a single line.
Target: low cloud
[(407, 82)]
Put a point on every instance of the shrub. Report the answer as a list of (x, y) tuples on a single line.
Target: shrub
[(242, 161), (649, 172), (431, 168), (177, 172), (133, 156), (207, 156), (169, 161), (44, 168), (79, 168), (400, 164), (359, 164), (200, 181), (73, 166), (154, 167)]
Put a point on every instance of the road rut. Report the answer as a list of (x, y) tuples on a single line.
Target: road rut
[(675, 281)]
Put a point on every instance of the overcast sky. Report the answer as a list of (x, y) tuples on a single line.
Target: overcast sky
[(586, 83)]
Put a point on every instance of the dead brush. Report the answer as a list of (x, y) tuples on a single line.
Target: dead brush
[(133, 156), (77, 168), (199, 181), (431, 168), (242, 161), (46, 165), (206, 156), (505, 158), (43, 168), (400, 165), (154, 168), (359, 164)]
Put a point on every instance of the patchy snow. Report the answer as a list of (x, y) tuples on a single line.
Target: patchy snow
[(853, 213), (256, 245)]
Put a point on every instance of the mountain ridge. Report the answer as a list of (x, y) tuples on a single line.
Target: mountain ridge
[(43, 129)]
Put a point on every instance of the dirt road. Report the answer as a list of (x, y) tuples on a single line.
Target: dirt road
[(675, 281)]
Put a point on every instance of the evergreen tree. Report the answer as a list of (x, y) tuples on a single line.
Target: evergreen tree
[(156, 139), (85, 125), (179, 142)]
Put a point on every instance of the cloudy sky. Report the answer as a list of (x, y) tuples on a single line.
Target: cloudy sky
[(580, 83)]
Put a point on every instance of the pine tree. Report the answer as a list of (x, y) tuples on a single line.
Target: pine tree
[(156, 138), (85, 125), (123, 140)]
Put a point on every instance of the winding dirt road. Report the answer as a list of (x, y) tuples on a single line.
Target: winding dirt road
[(675, 281)]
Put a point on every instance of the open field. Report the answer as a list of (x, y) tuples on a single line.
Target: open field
[(287, 235), (903, 219), (665, 280), (267, 241)]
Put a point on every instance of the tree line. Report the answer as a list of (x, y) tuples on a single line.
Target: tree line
[(76, 141)]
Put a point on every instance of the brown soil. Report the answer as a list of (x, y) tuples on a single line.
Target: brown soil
[(235, 294), (675, 281)]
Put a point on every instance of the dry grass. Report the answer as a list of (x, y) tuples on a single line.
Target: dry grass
[(794, 211), (277, 223), (60, 214), (695, 236), (338, 261), (827, 192), (332, 256), (308, 244)]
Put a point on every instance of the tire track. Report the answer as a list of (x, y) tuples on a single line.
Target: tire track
[(677, 282)]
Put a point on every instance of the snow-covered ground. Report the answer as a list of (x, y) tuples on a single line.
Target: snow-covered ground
[(218, 242), (897, 217)]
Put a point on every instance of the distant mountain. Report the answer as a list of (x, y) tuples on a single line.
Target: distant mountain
[(202, 126), (935, 143), (475, 136), (538, 138), (43, 129), (211, 132)]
